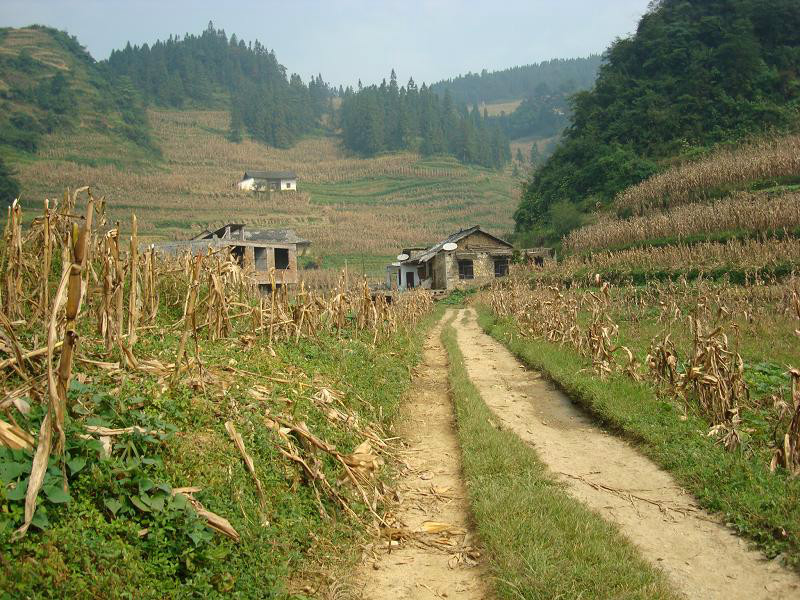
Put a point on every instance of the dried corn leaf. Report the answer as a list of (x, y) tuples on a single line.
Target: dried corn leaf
[(248, 460), (12, 436)]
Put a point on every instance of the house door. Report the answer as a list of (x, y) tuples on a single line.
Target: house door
[(409, 280)]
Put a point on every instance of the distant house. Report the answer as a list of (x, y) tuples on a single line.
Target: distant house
[(274, 181), (470, 257), (263, 249)]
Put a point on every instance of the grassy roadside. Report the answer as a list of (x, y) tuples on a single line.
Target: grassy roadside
[(541, 542), (762, 506), (104, 542)]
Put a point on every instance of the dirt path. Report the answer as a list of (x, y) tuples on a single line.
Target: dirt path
[(434, 556), (702, 558)]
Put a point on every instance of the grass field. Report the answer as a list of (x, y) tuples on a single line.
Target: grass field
[(497, 108), (349, 207)]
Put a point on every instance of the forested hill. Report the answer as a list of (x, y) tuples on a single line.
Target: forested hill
[(697, 73), (211, 70), (557, 76), (49, 84), (390, 117)]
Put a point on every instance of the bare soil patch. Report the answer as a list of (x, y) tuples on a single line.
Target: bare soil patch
[(429, 551), (702, 557)]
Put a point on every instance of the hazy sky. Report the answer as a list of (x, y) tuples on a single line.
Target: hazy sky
[(345, 40)]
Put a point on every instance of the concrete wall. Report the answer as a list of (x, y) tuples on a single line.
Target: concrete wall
[(282, 276)]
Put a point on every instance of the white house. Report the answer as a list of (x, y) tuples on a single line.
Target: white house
[(274, 181)]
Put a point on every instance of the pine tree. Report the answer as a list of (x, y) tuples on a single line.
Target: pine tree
[(236, 125)]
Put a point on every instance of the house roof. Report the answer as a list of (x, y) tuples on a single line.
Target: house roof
[(455, 237), (240, 231), (277, 236), (270, 175)]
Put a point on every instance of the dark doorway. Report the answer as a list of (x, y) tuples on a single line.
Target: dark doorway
[(238, 253), (260, 255), (500, 267), (409, 280), (281, 258), (465, 270)]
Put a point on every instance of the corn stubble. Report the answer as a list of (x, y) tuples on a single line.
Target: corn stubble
[(114, 297), (747, 212), (707, 376), (691, 182)]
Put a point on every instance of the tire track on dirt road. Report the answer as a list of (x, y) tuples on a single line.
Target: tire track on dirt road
[(429, 551), (701, 557)]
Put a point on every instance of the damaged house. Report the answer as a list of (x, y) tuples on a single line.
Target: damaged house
[(262, 249), (464, 259)]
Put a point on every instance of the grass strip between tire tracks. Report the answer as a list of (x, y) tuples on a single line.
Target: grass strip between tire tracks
[(760, 505), (541, 542)]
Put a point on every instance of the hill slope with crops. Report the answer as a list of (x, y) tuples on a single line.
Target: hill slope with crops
[(350, 208)]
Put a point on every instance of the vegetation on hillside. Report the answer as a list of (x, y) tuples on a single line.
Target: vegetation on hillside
[(560, 75), (695, 74), (343, 196), (389, 117), (212, 70), (51, 84), (770, 162), (9, 186), (543, 115)]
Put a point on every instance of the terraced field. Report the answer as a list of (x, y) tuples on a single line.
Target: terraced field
[(354, 209)]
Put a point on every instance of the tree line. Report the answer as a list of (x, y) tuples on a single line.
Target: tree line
[(388, 117), (696, 74), (210, 69), (559, 75)]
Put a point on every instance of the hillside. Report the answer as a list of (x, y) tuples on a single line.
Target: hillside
[(359, 210), (49, 84), (663, 98), (350, 208), (531, 103), (211, 70), (516, 83)]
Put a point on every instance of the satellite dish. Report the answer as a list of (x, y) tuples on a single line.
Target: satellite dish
[(449, 246), (402, 257)]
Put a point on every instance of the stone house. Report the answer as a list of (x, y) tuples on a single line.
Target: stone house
[(261, 249), (468, 258)]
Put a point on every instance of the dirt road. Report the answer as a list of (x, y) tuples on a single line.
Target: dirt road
[(702, 558), (429, 552)]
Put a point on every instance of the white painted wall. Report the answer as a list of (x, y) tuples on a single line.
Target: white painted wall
[(246, 184), (286, 185)]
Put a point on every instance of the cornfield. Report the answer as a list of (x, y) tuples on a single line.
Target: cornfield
[(692, 182), (695, 357), (399, 199), (752, 256), (70, 278), (752, 213)]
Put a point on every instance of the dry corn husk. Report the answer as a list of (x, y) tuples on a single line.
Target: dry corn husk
[(13, 437)]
